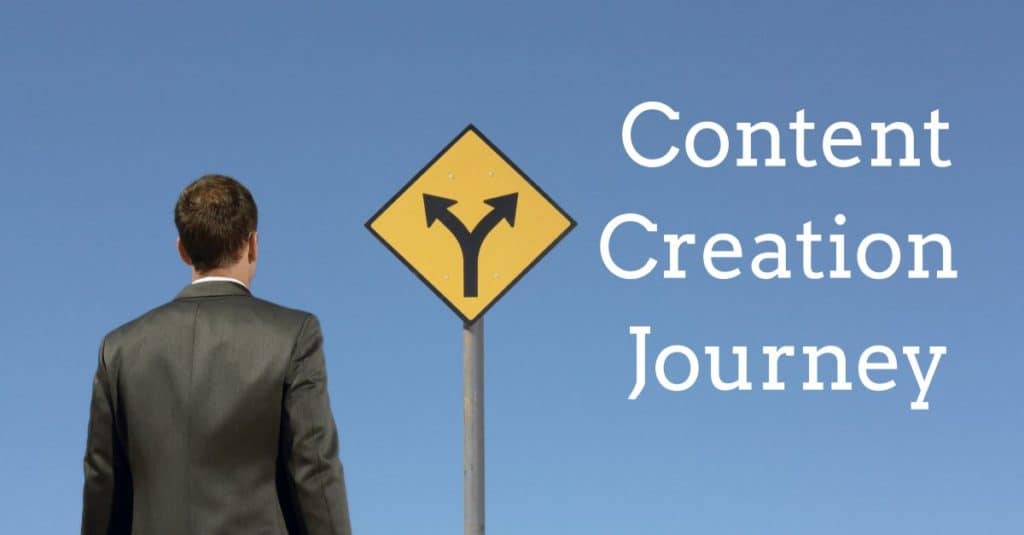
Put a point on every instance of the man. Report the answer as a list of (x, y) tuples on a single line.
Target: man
[(210, 413)]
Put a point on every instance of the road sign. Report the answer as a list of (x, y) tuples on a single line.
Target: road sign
[(470, 224)]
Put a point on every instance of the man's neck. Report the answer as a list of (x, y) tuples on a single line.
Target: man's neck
[(220, 274)]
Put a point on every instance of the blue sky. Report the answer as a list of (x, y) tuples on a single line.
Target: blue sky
[(325, 109)]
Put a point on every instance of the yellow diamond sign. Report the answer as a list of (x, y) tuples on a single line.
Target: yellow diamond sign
[(470, 224)]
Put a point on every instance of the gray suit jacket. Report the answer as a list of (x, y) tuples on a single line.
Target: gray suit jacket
[(210, 416)]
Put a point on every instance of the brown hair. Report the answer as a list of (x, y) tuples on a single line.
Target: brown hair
[(215, 216)]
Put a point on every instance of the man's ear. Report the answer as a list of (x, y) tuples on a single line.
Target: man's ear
[(183, 253), (253, 246)]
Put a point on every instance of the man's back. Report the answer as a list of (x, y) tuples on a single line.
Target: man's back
[(210, 415)]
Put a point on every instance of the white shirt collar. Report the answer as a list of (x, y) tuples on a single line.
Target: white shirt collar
[(213, 278)]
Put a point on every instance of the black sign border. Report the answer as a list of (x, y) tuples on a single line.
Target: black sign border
[(467, 321)]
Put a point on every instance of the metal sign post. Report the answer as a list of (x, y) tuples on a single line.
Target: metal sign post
[(473, 427)]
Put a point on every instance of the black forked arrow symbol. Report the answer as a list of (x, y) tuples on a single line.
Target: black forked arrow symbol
[(503, 207)]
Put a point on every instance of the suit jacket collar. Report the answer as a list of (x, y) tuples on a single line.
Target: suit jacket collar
[(212, 289)]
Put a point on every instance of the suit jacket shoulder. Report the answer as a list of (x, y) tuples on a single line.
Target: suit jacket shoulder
[(281, 320)]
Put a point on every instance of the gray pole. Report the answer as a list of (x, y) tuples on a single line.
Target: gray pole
[(473, 427)]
